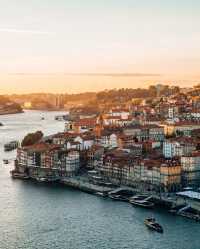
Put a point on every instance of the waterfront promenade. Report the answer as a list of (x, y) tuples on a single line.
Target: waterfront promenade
[(83, 184)]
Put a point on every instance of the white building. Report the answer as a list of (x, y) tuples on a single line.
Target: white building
[(122, 113), (72, 163), (174, 148), (113, 141)]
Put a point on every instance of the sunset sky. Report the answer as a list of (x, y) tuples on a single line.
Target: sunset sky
[(83, 45)]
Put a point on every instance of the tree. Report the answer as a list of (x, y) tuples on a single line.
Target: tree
[(197, 86), (32, 138)]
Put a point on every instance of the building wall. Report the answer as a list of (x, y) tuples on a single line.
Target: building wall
[(191, 170)]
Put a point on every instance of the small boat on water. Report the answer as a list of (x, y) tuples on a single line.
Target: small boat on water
[(121, 194), (47, 179), (11, 146), (5, 161), (153, 225), (118, 197), (141, 201), (62, 117), (102, 194), (140, 197), (189, 215), (17, 175)]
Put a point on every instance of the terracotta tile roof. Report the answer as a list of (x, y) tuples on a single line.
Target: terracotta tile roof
[(91, 122), (183, 139), (120, 110), (65, 135), (187, 123), (42, 147)]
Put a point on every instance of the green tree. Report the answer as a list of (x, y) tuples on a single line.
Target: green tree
[(32, 138)]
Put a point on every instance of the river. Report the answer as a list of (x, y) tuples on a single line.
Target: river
[(39, 216)]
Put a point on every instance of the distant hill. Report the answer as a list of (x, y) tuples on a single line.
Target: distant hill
[(106, 98), (8, 107)]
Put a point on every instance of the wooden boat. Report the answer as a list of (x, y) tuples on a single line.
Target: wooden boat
[(153, 225)]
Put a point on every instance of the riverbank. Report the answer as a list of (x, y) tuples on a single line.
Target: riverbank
[(163, 201), (7, 112)]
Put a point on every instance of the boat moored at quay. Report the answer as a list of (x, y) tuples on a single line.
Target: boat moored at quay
[(142, 201), (11, 146), (121, 194)]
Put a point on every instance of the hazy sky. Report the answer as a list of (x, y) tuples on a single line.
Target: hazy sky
[(41, 41)]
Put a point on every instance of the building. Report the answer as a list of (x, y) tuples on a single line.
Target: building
[(180, 146), (145, 132), (95, 157), (170, 175), (72, 163), (191, 169), (47, 160), (84, 125), (184, 128), (117, 167)]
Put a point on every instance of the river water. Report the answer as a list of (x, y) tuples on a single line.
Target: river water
[(34, 216)]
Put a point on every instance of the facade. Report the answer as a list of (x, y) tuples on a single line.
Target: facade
[(45, 160), (178, 147), (191, 169), (183, 128), (72, 163), (170, 176), (116, 167), (95, 157), (107, 139), (121, 113), (84, 125), (172, 111), (122, 168), (145, 132)]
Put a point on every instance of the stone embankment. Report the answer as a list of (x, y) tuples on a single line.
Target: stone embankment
[(84, 185)]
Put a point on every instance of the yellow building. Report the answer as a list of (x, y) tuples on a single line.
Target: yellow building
[(170, 175)]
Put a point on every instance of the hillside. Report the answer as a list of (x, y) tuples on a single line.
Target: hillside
[(8, 107)]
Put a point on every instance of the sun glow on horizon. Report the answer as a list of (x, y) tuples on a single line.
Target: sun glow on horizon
[(105, 44)]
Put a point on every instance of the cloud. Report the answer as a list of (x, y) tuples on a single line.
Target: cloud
[(25, 31)]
